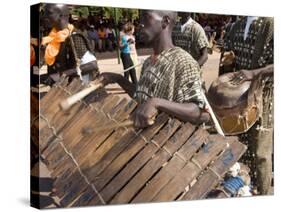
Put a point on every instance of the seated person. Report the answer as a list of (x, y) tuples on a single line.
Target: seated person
[(66, 51)]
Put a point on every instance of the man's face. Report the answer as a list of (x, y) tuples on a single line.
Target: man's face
[(151, 25), (183, 17), (57, 16), (183, 20)]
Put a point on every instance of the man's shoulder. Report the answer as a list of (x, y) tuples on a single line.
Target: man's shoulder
[(180, 57), (195, 25)]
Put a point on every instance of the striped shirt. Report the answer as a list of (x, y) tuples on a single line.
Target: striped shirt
[(252, 52), (257, 49), (191, 37), (174, 76)]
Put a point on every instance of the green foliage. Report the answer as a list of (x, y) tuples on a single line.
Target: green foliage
[(116, 13), (95, 10), (80, 10)]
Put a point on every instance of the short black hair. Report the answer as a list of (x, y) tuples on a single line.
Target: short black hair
[(171, 14)]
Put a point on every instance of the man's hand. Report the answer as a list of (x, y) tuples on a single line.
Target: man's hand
[(250, 75), (227, 59), (247, 75), (242, 76), (146, 113), (109, 78)]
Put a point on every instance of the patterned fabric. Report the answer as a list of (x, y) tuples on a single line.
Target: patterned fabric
[(192, 38), (174, 76), (257, 50), (53, 42)]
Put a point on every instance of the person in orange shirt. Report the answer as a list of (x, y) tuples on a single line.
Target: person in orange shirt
[(65, 50), (102, 38)]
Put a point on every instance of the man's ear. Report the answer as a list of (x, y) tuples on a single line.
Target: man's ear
[(165, 21)]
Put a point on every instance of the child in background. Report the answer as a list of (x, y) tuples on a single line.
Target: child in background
[(133, 50), (127, 61)]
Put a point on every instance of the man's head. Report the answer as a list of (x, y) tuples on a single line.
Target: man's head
[(155, 23), (56, 15), (184, 16)]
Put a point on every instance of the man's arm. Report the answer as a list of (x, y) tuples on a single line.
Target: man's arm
[(183, 111), (249, 75), (204, 56), (265, 71), (129, 87), (110, 78), (202, 44), (187, 112)]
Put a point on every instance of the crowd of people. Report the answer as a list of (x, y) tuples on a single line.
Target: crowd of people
[(103, 33)]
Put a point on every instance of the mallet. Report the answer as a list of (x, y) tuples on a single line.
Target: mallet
[(96, 84), (67, 103)]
